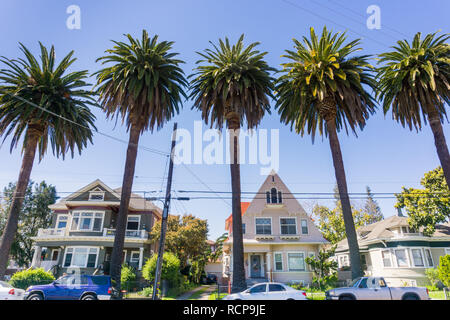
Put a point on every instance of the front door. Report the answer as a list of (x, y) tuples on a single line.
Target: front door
[(255, 266)]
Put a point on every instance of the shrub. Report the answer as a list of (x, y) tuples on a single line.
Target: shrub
[(24, 279), (170, 269), (444, 270), (128, 278), (433, 277), (146, 292)]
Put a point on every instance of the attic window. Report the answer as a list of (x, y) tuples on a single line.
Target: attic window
[(274, 196), (96, 196)]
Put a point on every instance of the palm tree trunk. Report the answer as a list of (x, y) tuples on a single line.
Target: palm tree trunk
[(439, 142), (238, 283), (18, 197), (355, 260), (121, 221)]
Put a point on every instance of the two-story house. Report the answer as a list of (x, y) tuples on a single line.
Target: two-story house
[(278, 235), (391, 249), (82, 232)]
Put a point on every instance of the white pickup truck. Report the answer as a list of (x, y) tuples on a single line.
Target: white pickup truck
[(375, 288)]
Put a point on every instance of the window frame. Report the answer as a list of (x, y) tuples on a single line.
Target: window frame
[(96, 193), (304, 263), (426, 258), (73, 248), (389, 257), (295, 225), (408, 264), (307, 226), (256, 233), (275, 261), (421, 257), (139, 221), (91, 227), (66, 215)]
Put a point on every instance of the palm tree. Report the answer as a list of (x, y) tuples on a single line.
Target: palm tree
[(414, 81), (233, 86), (43, 104), (143, 87), (321, 88)]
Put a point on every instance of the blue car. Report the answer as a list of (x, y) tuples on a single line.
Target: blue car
[(73, 287)]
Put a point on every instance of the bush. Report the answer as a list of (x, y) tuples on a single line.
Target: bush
[(444, 270), (24, 279), (433, 277), (146, 292), (170, 269), (128, 278)]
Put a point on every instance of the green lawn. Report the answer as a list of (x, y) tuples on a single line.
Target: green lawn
[(437, 295), (197, 294), (319, 295), (213, 296)]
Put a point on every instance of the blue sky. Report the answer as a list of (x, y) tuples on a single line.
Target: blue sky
[(384, 156)]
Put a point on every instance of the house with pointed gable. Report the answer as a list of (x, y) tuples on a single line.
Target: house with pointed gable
[(81, 236), (278, 235)]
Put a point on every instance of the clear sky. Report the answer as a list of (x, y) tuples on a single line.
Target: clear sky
[(384, 156)]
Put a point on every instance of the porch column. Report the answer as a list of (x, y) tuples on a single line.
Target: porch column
[(141, 257), (269, 265), (36, 262)]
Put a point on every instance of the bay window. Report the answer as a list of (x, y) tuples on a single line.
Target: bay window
[(87, 221), (417, 257), (402, 260), (386, 255), (81, 257)]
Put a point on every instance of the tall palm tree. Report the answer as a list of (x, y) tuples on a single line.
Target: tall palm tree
[(43, 104), (143, 87), (233, 86), (322, 88), (414, 81)]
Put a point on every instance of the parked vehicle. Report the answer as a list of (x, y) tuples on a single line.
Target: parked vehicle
[(375, 288), (8, 292), (211, 278), (73, 287), (268, 291)]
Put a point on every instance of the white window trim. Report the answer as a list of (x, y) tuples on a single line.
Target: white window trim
[(422, 255), (431, 255), (301, 227), (271, 223), (139, 222), (304, 262), (447, 251), (59, 254), (408, 260), (97, 192), (93, 217), (58, 218), (289, 234), (131, 256), (275, 261), (390, 258), (124, 256), (87, 256)]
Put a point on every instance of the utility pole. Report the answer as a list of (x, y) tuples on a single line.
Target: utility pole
[(165, 214)]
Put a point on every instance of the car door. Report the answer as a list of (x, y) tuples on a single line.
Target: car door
[(58, 289), (78, 286), (257, 292), (370, 289), (276, 291)]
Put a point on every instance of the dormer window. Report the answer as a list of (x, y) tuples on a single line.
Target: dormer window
[(96, 195), (274, 196)]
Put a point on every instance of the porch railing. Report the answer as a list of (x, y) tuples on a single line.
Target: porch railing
[(141, 234), (50, 232)]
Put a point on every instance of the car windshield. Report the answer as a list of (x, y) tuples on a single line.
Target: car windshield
[(354, 282), (5, 284)]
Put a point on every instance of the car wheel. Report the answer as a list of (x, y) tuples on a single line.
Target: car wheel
[(89, 297), (346, 298), (411, 297), (290, 299), (35, 296)]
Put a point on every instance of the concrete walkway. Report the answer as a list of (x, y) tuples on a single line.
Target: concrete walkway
[(203, 296)]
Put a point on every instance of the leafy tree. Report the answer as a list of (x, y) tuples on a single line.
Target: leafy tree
[(24, 279), (414, 83), (323, 88), (444, 270), (144, 87), (128, 277), (233, 85), (217, 254), (35, 97), (170, 268), (324, 268), (34, 214), (428, 206), (185, 237), (433, 276), (371, 208)]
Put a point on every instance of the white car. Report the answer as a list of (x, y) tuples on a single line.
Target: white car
[(268, 291), (8, 292)]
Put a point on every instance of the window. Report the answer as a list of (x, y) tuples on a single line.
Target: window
[(100, 280), (243, 228), (81, 257), (87, 221), (133, 222), (96, 196), (280, 199), (268, 197), (304, 226), (428, 257), (258, 289), (273, 194), (276, 287), (263, 225), (447, 251), (296, 261), (278, 257), (386, 255), (417, 257), (402, 260), (343, 261), (55, 255), (61, 221), (288, 226), (135, 255)]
